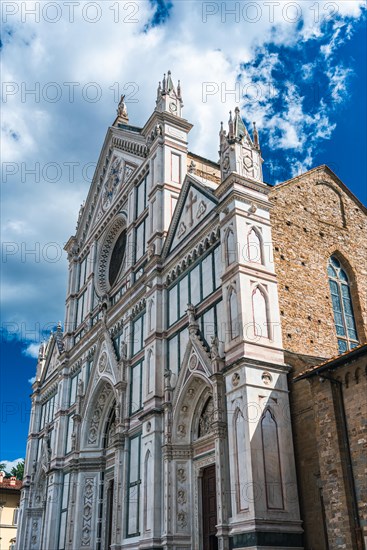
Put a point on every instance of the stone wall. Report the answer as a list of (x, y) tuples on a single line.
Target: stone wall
[(336, 448), (315, 216)]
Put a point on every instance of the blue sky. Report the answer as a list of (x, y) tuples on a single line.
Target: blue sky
[(300, 73)]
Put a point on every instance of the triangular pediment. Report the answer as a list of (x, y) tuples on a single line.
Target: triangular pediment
[(105, 364), (51, 359), (122, 154), (196, 362), (194, 204)]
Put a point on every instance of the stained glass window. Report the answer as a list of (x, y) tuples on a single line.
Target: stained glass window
[(117, 258)]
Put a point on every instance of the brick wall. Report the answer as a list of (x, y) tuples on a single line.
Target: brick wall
[(313, 217), (333, 448)]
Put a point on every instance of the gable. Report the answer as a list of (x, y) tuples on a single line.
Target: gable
[(194, 205), (118, 171), (52, 355), (317, 180), (121, 155)]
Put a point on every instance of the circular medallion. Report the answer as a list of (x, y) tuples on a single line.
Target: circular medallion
[(267, 378), (247, 162), (193, 362), (235, 379), (102, 364), (173, 107)]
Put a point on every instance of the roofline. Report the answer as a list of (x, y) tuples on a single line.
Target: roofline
[(325, 168), (334, 362), (199, 157)]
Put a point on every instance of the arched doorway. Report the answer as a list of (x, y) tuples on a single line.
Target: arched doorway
[(196, 487)]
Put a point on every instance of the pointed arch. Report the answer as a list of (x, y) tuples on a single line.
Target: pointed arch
[(150, 379), (96, 409), (206, 418), (240, 458), (148, 492), (187, 407), (255, 245), (260, 312), (229, 246), (341, 300), (150, 311), (233, 313), (271, 457), (110, 426)]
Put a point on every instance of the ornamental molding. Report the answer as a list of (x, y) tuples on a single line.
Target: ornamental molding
[(49, 393), (139, 307), (134, 147), (105, 253), (196, 252), (77, 366), (233, 179), (88, 500), (116, 329), (94, 426)]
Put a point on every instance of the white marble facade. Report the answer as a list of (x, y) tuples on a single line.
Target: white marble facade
[(170, 360)]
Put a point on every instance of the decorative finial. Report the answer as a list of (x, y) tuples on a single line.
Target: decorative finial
[(179, 89), (230, 126), (256, 136), (164, 83)]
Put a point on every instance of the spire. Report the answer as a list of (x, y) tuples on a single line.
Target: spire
[(239, 127), (230, 126), (170, 85), (168, 99), (159, 90), (256, 136), (237, 151)]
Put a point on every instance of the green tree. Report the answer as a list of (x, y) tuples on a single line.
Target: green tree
[(18, 470)]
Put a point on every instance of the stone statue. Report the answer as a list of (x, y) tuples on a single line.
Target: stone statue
[(214, 350), (122, 110)]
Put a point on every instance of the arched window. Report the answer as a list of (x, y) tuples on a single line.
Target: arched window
[(148, 491), (254, 248), (342, 306), (230, 247), (260, 313), (117, 258), (239, 433), (272, 469), (233, 314)]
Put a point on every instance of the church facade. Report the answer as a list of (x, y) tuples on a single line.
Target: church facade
[(160, 412)]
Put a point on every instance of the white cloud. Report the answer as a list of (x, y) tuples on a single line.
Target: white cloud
[(9, 464), (37, 131), (32, 351)]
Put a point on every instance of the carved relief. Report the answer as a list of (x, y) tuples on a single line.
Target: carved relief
[(266, 378), (102, 363), (182, 511), (235, 379), (94, 426), (87, 511), (206, 418)]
